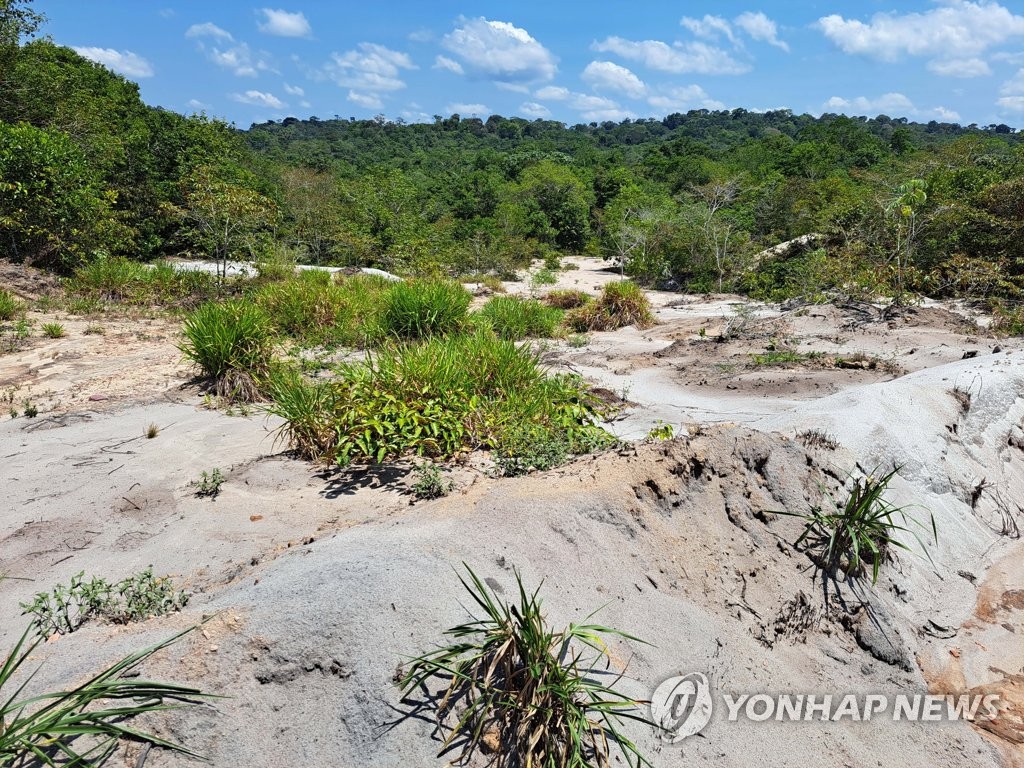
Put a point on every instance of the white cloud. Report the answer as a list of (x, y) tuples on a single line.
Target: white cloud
[(1014, 86), (959, 67), (553, 93), (240, 59), (167, 13), (209, 29), (365, 100), (467, 109), (420, 36), (683, 98), (597, 108), (498, 50), (605, 75), (957, 28), (294, 90), (760, 27), (123, 62), (443, 62), (1012, 103), (259, 99), (285, 24), (893, 104), (533, 109), (710, 27), (677, 58), (197, 104)]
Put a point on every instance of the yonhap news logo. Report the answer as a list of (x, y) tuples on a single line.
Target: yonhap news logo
[(682, 706)]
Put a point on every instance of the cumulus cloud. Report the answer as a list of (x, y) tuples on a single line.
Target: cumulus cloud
[(1012, 93), (1012, 103), (443, 62), (956, 30), (553, 93), (889, 104), (285, 24), (960, 67), (683, 98), (535, 110), (259, 99), (208, 29), (607, 76), (123, 62), (240, 60), (459, 108), (197, 104), (710, 27), (369, 71), (676, 58), (760, 27), (498, 50), (294, 90)]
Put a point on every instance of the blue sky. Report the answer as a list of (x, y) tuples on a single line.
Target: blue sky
[(948, 60)]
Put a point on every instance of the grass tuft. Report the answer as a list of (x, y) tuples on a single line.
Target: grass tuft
[(620, 304), (534, 696), (10, 306), (513, 318), (231, 343), (417, 309)]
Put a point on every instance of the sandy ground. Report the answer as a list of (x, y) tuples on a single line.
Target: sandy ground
[(321, 582)]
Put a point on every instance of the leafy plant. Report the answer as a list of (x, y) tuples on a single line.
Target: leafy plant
[(661, 431), (30, 410), (209, 483), (532, 694), (82, 726), (231, 342), (67, 607), (542, 277), (430, 483), (862, 529), (53, 330)]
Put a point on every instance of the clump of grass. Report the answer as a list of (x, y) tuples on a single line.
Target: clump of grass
[(67, 607), (435, 398), (417, 309), (567, 299), (578, 340), (82, 726), (542, 277), (816, 438), (781, 357), (492, 283), (430, 482), (304, 308), (231, 343), (532, 694), (620, 304), (53, 330), (514, 318), (95, 330), (209, 483), (123, 281), (152, 431), (861, 530), (10, 306)]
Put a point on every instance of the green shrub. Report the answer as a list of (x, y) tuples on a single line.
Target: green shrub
[(567, 299), (621, 303), (434, 398), (209, 483), (304, 309), (430, 483), (513, 318), (534, 686), (10, 307), (417, 309), (231, 342), (543, 276)]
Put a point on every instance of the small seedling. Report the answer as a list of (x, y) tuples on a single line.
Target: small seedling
[(578, 340), (152, 431), (23, 328), (53, 330), (661, 431), (209, 483), (431, 483), (30, 411)]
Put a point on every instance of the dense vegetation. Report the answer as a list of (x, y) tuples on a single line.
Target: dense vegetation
[(88, 171)]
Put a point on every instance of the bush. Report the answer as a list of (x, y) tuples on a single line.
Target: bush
[(420, 308), (532, 685), (567, 299), (620, 304), (513, 318), (231, 342), (10, 307), (435, 399)]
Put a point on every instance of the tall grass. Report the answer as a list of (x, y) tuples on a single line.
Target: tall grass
[(621, 303), (10, 307), (124, 281), (231, 343), (513, 318), (82, 726), (537, 692), (417, 309)]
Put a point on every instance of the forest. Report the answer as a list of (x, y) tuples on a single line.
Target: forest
[(692, 202)]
